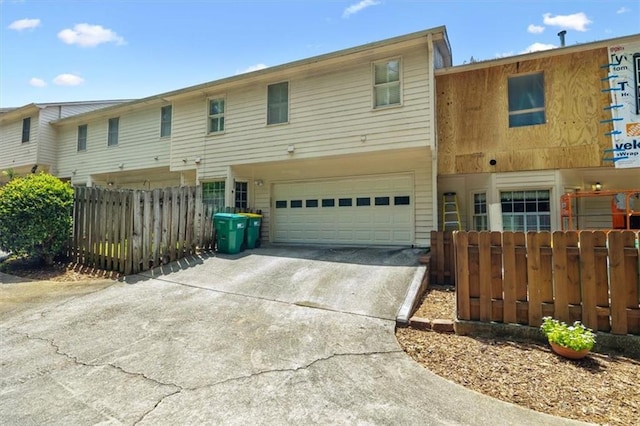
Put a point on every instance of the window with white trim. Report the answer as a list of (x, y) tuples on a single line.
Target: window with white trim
[(386, 83), (278, 103), (213, 194), (526, 210), (82, 137), (165, 121), (216, 115), (112, 138), (241, 195), (26, 129), (526, 100), (480, 217)]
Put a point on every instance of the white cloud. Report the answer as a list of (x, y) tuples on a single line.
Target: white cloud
[(355, 8), (535, 29), (68, 80), (537, 47), (86, 35), (37, 82), (504, 54), (577, 21), (623, 10), (252, 68), (24, 24)]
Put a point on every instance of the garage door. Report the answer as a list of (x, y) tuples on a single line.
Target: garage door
[(363, 211)]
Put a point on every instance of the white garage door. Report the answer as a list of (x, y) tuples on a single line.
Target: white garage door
[(373, 210)]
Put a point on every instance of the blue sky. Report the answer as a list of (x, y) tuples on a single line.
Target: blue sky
[(60, 50)]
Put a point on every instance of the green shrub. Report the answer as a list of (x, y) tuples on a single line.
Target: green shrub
[(576, 336), (35, 216)]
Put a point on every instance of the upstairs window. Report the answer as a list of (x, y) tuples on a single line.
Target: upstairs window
[(526, 100), (82, 137), (216, 115), (26, 129), (112, 137), (278, 103), (386, 83), (165, 121)]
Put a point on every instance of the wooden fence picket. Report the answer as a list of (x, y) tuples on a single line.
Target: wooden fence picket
[(133, 231), (590, 276)]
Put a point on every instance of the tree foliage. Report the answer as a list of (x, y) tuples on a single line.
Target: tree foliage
[(35, 216)]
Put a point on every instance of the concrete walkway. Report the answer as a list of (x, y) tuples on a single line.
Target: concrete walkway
[(275, 336)]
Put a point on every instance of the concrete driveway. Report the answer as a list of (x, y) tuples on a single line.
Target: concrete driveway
[(279, 335)]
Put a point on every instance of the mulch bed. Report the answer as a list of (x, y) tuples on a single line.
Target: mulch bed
[(601, 388)]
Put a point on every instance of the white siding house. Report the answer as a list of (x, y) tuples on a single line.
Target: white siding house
[(27, 139), (338, 148)]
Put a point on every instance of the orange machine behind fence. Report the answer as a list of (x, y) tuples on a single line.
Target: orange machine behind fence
[(623, 202)]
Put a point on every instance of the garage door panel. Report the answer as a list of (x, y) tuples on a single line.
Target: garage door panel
[(374, 210)]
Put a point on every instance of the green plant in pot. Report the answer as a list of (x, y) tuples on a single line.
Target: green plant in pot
[(570, 341)]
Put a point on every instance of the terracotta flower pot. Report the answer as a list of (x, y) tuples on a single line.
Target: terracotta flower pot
[(568, 353)]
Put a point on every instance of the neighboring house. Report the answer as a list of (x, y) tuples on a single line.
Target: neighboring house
[(338, 148), (516, 133), (122, 146), (28, 142)]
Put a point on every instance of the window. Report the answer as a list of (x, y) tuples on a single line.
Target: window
[(213, 194), (345, 202), (328, 202), (165, 121), (278, 103), (82, 137), (404, 200), (526, 100), (112, 138), (386, 83), (480, 218), (525, 211), (311, 203), (26, 129), (216, 115), (296, 204), (363, 201), (281, 204), (382, 201), (241, 195)]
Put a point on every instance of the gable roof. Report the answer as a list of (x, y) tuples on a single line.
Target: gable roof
[(438, 34), (10, 114)]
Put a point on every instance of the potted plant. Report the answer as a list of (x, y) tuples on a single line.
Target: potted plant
[(570, 341)]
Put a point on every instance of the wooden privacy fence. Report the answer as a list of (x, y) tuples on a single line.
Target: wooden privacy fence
[(442, 265), (513, 277), (131, 231)]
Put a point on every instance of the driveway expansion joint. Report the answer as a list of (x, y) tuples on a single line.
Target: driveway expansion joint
[(300, 304)]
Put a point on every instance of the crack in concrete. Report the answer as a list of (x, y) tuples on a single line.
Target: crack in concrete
[(77, 361), (299, 368), (178, 388), (152, 409)]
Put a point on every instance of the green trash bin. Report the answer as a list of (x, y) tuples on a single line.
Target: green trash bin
[(230, 230), (253, 229)]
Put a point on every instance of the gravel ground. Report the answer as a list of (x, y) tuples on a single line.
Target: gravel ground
[(601, 388)]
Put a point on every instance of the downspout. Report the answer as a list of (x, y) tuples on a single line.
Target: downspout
[(434, 134)]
